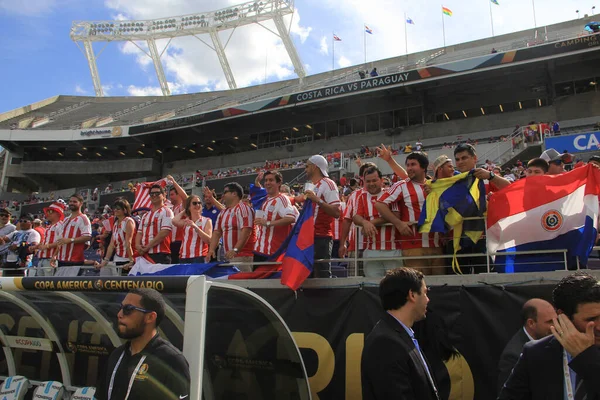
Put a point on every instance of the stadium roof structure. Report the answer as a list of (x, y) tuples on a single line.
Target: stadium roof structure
[(197, 24)]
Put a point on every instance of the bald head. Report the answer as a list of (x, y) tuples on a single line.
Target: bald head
[(537, 315)]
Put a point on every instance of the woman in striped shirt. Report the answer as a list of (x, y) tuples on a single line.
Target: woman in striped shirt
[(122, 236), (197, 232)]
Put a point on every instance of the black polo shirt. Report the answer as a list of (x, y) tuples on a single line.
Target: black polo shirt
[(163, 374)]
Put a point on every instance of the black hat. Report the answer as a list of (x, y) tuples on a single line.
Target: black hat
[(28, 217)]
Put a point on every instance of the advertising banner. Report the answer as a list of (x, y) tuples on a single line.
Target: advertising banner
[(578, 143)]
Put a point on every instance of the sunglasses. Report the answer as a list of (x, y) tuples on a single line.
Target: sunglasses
[(196, 203), (129, 308), (155, 193), (24, 220), (4, 216)]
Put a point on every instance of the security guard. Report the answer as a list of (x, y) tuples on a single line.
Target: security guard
[(147, 366)]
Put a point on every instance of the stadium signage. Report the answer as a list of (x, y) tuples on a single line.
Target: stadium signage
[(22, 342), (116, 284), (106, 132), (365, 84), (591, 41), (579, 143)]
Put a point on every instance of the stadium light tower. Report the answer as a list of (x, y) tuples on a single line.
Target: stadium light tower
[(209, 23)]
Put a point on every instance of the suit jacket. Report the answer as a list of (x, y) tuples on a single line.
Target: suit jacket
[(510, 356), (391, 367), (538, 374)]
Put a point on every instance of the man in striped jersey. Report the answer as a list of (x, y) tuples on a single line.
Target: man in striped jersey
[(74, 232), (410, 196), (154, 233), (274, 219), (55, 214), (326, 203), (380, 238), (235, 225), (178, 196)]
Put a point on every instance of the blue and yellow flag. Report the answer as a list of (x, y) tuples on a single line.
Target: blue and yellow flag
[(456, 203)]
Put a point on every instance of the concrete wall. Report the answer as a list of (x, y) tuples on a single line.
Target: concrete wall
[(84, 167)]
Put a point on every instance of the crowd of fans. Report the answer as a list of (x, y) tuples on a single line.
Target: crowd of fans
[(369, 216)]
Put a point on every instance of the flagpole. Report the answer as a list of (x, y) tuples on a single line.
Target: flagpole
[(491, 17), (332, 51), (365, 41), (405, 36), (443, 27), (533, 5)]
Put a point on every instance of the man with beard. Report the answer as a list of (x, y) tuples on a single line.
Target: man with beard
[(74, 232), (147, 366), (393, 365)]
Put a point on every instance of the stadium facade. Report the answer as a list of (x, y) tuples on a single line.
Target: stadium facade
[(546, 74)]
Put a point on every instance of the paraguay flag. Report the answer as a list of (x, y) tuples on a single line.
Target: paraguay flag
[(543, 213), (368, 30)]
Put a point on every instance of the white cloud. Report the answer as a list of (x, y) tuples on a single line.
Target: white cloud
[(106, 88), (193, 66), (343, 62), (144, 91), (324, 47), (175, 88), (80, 90)]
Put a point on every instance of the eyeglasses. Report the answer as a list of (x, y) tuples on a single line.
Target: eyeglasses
[(196, 203), (129, 308), (155, 193)]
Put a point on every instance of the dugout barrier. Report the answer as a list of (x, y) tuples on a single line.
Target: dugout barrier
[(62, 329)]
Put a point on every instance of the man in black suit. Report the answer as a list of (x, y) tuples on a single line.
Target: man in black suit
[(536, 316), (393, 365), (565, 365)]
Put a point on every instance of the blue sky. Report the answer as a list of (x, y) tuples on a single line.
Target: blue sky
[(40, 60)]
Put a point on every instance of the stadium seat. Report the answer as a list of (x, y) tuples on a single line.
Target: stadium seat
[(14, 388), (85, 393), (49, 390)]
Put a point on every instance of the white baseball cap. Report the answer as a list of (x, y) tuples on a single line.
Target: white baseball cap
[(320, 162)]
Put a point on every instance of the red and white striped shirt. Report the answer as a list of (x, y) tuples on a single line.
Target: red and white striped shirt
[(231, 221), (192, 245), (152, 223), (119, 237), (336, 224), (386, 234), (72, 228), (177, 234), (325, 190), (349, 213), (52, 235), (270, 238), (410, 197)]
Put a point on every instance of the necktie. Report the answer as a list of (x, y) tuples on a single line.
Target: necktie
[(427, 368), (580, 393)]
